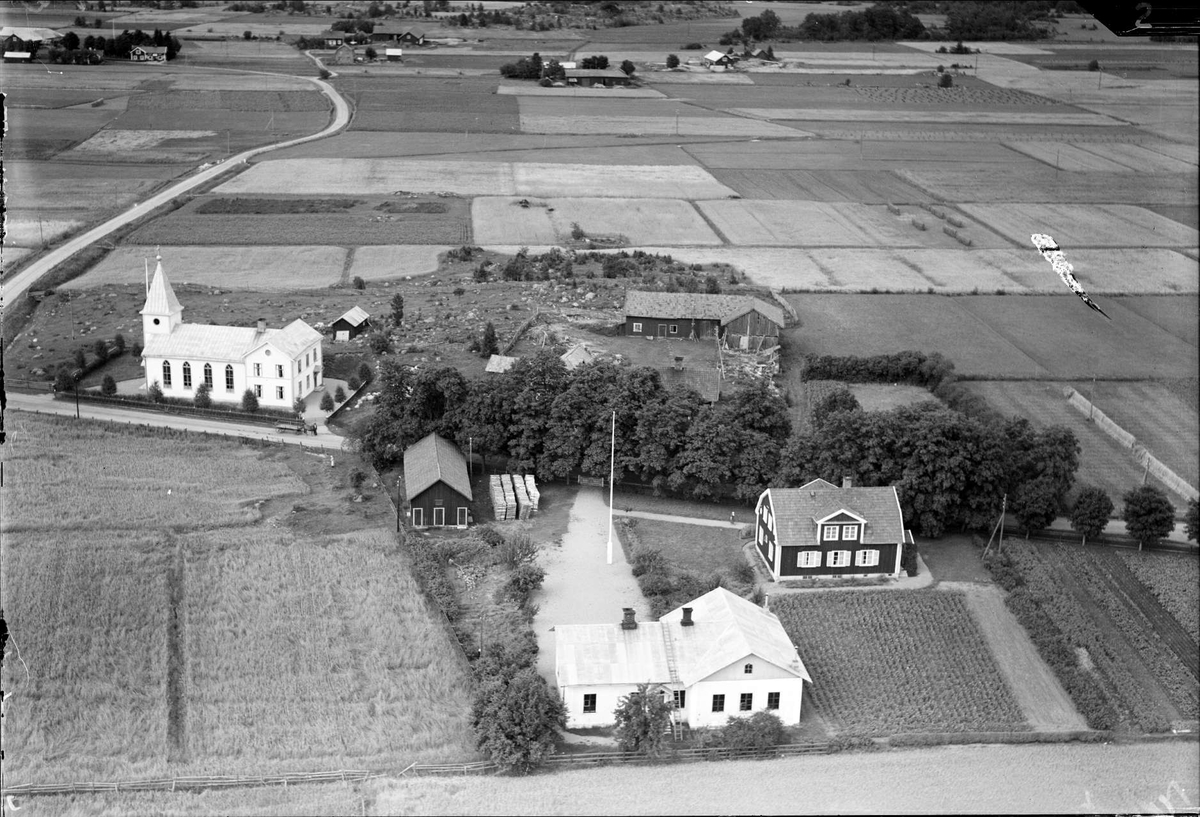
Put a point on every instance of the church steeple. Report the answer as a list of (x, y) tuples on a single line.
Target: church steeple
[(162, 312)]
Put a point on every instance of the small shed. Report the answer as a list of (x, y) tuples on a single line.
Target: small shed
[(351, 325), (393, 54), (436, 484), (589, 77), (577, 356), (499, 364)]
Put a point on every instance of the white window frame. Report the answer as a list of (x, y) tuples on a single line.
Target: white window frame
[(258, 390), (808, 558), (673, 329), (279, 370), (439, 517), (279, 392), (849, 533), (592, 709), (637, 326), (462, 517), (838, 558), (258, 370), (866, 558), (829, 533)]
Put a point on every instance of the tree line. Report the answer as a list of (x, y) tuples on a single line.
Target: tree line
[(72, 49), (951, 469)]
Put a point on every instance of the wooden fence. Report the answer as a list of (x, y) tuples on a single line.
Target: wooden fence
[(520, 331)]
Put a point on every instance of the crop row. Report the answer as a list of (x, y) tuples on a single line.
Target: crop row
[(1174, 579), (891, 662)]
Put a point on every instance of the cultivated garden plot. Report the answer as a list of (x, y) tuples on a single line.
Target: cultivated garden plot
[(300, 648), (89, 615), (1158, 420), (1076, 225), (1173, 579), (1102, 460), (265, 268), (865, 325), (898, 661), (551, 221), (806, 223)]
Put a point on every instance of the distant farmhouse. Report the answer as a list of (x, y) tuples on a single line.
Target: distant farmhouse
[(393, 54), (715, 657), (351, 325), (148, 53), (279, 365), (821, 530), (394, 33), (20, 43), (437, 484), (588, 77), (742, 321), (719, 58)]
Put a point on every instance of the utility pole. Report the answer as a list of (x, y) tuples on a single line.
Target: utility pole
[(1091, 392), (611, 470)]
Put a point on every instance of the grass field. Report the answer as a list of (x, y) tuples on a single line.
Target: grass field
[(1033, 182), (22, 229), (617, 123), (1102, 461), (1078, 225), (866, 187), (1105, 158), (963, 117), (640, 221), (213, 629), (701, 549), (265, 268), (898, 661), (805, 223)]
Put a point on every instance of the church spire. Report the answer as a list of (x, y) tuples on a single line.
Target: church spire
[(162, 311)]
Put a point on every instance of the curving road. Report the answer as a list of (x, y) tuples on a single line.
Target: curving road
[(24, 279)]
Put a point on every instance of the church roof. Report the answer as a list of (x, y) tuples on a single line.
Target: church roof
[(160, 299), (200, 341), (292, 339)]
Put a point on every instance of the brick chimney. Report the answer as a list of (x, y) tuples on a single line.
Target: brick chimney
[(687, 618), (629, 622), (847, 482), (262, 325)]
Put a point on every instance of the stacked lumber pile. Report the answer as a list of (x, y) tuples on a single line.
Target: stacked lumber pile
[(535, 496), (500, 503)]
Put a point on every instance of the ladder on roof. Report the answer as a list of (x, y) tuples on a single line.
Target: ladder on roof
[(673, 669)]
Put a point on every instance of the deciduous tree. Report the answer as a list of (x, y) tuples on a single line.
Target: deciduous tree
[(1149, 514), (488, 345), (642, 719), (202, 398), (516, 720), (249, 400), (1091, 511), (1192, 520), (1034, 505)]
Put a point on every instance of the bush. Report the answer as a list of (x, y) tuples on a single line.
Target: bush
[(523, 582), (760, 731), (339, 395), (327, 402), (358, 283), (515, 550), (672, 61), (945, 81), (203, 398), (1148, 514), (627, 67), (108, 386), (642, 720), (1094, 65), (492, 537), (516, 720), (249, 401), (354, 384), (365, 373), (380, 342), (692, 47)]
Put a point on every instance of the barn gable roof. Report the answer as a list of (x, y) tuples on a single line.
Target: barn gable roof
[(700, 306), (355, 316), (797, 511), (576, 356), (499, 364), (435, 459)]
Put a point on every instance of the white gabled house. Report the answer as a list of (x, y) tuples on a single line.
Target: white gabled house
[(717, 657), (280, 365)]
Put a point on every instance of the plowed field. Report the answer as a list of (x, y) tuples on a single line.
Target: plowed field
[(1076, 225)]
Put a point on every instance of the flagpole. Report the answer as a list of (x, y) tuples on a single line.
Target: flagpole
[(611, 469)]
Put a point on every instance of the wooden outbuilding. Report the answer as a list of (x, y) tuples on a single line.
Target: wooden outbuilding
[(351, 325), (741, 321), (589, 77), (436, 484), (719, 58)]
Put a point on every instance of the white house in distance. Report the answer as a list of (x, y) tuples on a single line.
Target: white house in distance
[(821, 530), (717, 657), (280, 365)]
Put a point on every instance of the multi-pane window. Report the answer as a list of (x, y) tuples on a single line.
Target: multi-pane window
[(718, 703), (258, 390), (228, 377), (679, 698), (850, 533), (637, 327), (208, 375), (258, 370), (748, 669), (279, 370), (166, 374), (809, 558), (187, 375), (866, 558), (829, 533), (772, 700), (838, 558), (589, 703), (746, 702), (279, 392), (674, 329)]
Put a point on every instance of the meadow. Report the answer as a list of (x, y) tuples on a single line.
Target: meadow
[(701, 549), (805, 223), (264, 268), (1036, 183), (1091, 225), (211, 629), (550, 221), (897, 661)]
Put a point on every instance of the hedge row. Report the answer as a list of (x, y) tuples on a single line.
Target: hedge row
[(1052, 644), (664, 587)]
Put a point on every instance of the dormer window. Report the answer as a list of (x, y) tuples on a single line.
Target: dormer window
[(830, 532), (850, 533)]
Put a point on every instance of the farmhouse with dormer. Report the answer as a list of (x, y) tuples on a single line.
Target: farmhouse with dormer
[(715, 657), (821, 530), (279, 365)]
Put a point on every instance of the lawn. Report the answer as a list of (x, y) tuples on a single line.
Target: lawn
[(701, 549), (198, 607), (898, 661)]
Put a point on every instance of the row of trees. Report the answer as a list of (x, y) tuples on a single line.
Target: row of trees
[(951, 470)]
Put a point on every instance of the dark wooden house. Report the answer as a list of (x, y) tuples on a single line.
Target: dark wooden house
[(351, 325), (588, 77), (436, 484), (820, 530), (393, 33), (332, 39), (741, 321)]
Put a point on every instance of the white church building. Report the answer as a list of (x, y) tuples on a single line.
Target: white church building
[(279, 365)]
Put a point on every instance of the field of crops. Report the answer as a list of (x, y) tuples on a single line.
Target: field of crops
[(641, 221), (1091, 225), (1090, 601), (807, 223), (619, 124), (898, 661), (961, 117), (850, 154), (1174, 579), (23, 229), (265, 268), (185, 225), (79, 187), (867, 187), (1034, 182)]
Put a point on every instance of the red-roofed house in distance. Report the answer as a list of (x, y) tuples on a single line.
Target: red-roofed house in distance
[(821, 530)]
